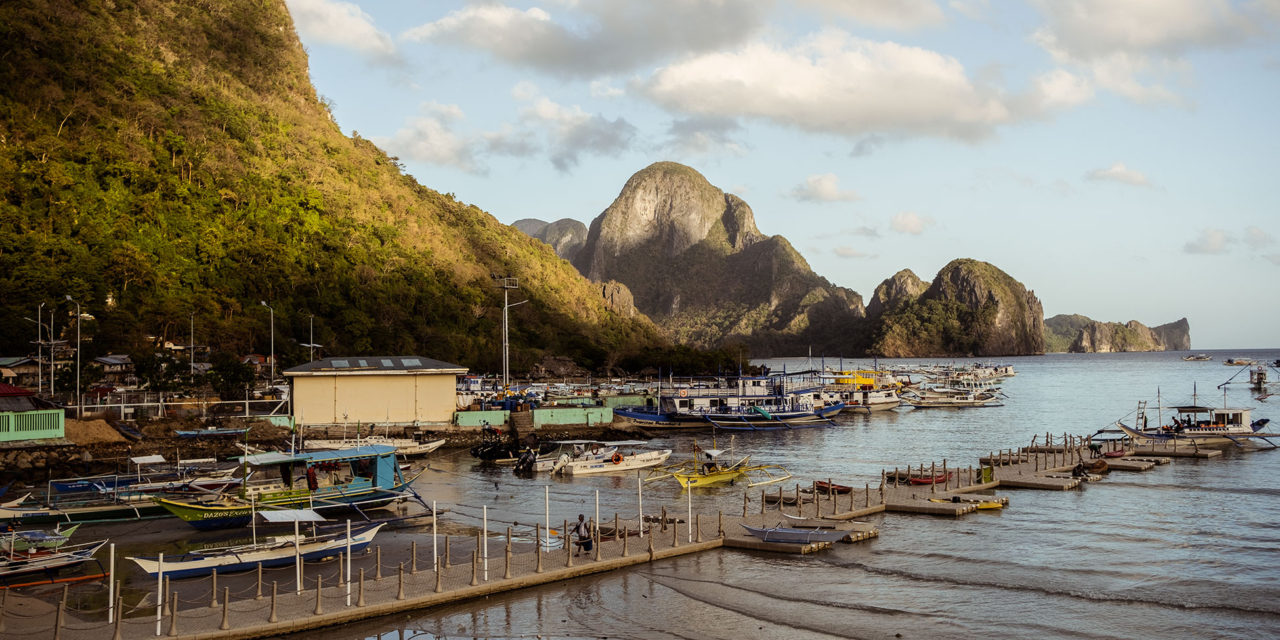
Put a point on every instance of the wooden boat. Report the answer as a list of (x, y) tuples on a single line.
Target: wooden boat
[(211, 432), (620, 461), (275, 551), (825, 487), (1239, 362), (1199, 357), (19, 541), (363, 478), (1205, 426), (937, 478), (793, 535), (404, 446), (706, 469), (558, 453), (46, 561), (986, 504), (745, 403), (1118, 453), (97, 509)]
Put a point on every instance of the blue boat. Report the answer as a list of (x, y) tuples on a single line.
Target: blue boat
[(361, 478), (275, 551), (745, 403)]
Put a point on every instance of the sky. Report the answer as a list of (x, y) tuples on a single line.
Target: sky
[(1117, 157)]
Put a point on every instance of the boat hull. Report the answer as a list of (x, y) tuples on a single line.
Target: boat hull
[(195, 564), (791, 535), (628, 463)]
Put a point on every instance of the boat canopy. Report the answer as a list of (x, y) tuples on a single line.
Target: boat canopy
[(280, 457), (611, 443), (290, 515), (141, 460)]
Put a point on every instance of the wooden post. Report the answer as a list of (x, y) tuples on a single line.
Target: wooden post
[(413, 557), (720, 525), (119, 619), (319, 589), (173, 617), (259, 594), (697, 525), (273, 617), (506, 573), (947, 482), (360, 590), (399, 592), (62, 607), (616, 524), (675, 536), (745, 501), (568, 546), (537, 532), (651, 552), (213, 592), (868, 491), (475, 567), (446, 550), (664, 519), (226, 607), (895, 476), (626, 537), (762, 503), (377, 555), (440, 575)]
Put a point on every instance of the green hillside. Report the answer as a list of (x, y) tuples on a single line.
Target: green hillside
[(162, 158)]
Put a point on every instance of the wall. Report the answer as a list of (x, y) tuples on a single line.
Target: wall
[(550, 417), (31, 425), (373, 398)]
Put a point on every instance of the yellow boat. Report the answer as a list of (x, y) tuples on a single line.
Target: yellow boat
[(989, 504), (706, 469)]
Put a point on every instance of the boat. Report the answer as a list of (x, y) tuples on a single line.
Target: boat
[(794, 535), (862, 389), (91, 508), (825, 488), (561, 452), (404, 446), (20, 541), (1204, 426), (211, 432), (947, 397), (1199, 357), (1239, 362), (745, 403), (46, 561), (937, 478), (621, 460), (274, 551), (706, 469), (362, 478), (985, 504)]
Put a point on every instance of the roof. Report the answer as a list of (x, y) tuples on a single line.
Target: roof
[(115, 359), (291, 515), (10, 391), (356, 365), (15, 361)]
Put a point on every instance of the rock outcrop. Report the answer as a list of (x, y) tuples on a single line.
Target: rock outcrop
[(698, 266), (971, 308), (1110, 337), (565, 236), (904, 287)]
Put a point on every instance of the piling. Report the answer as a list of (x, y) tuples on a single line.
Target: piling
[(213, 591), (475, 569), (319, 588), (258, 595), (697, 524), (360, 592), (119, 616), (399, 592), (226, 609), (537, 532), (173, 618), (440, 579), (651, 553), (377, 555), (273, 617), (746, 501), (446, 551), (626, 551), (413, 556)]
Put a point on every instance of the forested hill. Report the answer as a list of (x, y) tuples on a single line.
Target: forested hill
[(166, 158)]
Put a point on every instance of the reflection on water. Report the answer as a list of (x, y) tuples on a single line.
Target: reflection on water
[(1185, 550)]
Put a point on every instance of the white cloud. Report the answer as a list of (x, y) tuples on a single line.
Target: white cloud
[(1128, 44), (850, 252), (342, 24), (832, 82), (910, 223), (893, 14), (1058, 89), (822, 188), (571, 132), (1210, 241), (602, 89), (428, 138), (1257, 238), (1119, 173), (592, 37)]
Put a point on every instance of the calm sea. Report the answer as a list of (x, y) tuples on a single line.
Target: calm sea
[(1186, 550)]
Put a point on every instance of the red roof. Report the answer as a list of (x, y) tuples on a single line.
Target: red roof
[(10, 391)]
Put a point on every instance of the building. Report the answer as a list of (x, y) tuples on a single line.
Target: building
[(117, 369), (24, 372), (25, 417), (382, 390)]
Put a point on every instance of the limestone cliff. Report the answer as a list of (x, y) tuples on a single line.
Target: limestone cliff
[(971, 308), (1108, 337), (1061, 330), (565, 236), (696, 263), (902, 288)]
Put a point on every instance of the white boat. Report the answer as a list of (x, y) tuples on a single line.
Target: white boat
[(404, 446), (45, 561), (624, 458), (565, 451), (947, 397), (1205, 426)]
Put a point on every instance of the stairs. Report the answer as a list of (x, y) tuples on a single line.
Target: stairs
[(520, 422)]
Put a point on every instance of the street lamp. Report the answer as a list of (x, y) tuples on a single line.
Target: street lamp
[(507, 285), (79, 407), (39, 347), (312, 346), (273, 342)]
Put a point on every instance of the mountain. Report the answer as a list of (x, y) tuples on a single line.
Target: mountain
[(1091, 336), (902, 288), (698, 266), (1061, 330), (169, 163), (971, 308), (566, 235)]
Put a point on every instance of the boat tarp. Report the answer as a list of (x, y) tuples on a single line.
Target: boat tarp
[(290, 515), (607, 443), (156, 459)]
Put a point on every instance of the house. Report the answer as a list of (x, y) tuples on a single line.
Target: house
[(117, 369), (381, 390), (25, 417), (20, 371)]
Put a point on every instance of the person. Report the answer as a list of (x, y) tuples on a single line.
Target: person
[(582, 531)]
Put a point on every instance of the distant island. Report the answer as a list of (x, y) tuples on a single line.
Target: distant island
[(1075, 333)]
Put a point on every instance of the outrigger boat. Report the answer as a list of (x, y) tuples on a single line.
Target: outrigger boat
[(619, 461), (47, 561), (274, 551), (404, 446), (19, 541), (706, 469), (561, 452), (746, 403), (361, 478), (793, 535), (1205, 426)]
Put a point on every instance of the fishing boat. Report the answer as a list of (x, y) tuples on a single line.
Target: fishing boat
[(45, 561), (211, 432), (561, 452), (1205, 426), (862, 390), (19, 541), (274, 551), (951, 398), (794, 535), (1239, 362), (745, 403), (984, 504), (88, 508), (362, 478), (707, 468), (406, 447), (1199, 357), (621, 460)]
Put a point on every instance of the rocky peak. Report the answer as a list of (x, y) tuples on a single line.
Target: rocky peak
[(1016, 321), (897, 290), (566, 235)]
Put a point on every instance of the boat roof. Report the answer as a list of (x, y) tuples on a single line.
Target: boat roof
[(291, 515), (1200, 409), (280, 457), (617, 443), (155, 459), (712, 453)]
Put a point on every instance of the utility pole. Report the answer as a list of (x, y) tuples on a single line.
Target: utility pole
[(507, 284), (40, 347), (79, 406), (191, 354), (273, 342)]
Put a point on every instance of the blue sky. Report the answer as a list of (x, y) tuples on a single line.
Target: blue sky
[(1118, 157)]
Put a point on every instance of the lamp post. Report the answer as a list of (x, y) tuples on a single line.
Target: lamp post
[(312, 346), (507, 285), (79, 406), (272, 380)]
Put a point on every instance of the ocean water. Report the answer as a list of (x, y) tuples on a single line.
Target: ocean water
[(1186, 550)]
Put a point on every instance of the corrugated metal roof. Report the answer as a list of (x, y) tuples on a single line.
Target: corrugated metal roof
[(367, 364), (291, 515)]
